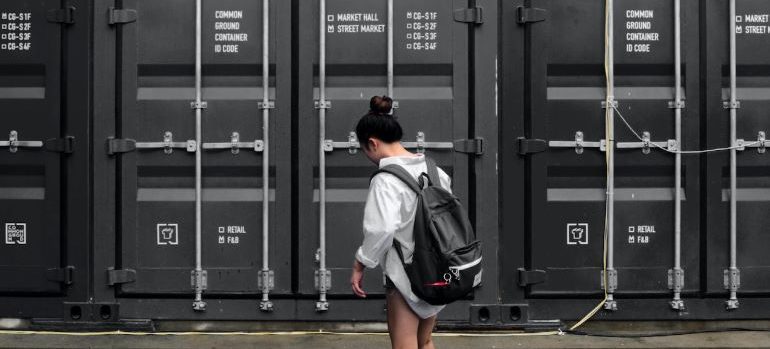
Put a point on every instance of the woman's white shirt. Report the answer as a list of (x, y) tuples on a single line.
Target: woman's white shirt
[(389, 213)]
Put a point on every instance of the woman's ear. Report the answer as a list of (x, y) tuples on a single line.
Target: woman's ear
[(372, 145)]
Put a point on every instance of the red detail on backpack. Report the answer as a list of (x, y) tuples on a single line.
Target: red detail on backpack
[(438, 284)]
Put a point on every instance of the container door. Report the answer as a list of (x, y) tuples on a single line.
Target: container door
[(431, 71), (30, 177), (566, 87), (753, 181), (156, 186)]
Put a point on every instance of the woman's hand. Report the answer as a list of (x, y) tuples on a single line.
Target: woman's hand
[(356, 277)]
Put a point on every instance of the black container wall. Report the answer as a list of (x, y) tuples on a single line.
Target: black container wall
[(148, 199), (97, 177), (44, 174), (753, 81)]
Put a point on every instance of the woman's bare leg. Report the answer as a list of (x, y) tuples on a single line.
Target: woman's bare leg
[(403, 323), (425, 333)]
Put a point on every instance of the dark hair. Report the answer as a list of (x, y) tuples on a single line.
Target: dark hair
[(379, 123)]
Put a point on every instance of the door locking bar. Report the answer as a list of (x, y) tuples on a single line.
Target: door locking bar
[(14, 143), (646, 144), (118, 145), (761, 144), (352, 145), (58, 145), (235, 145), (579, 144), (420, 145)]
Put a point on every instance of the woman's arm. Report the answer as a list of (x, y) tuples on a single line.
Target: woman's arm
[(381, 219)]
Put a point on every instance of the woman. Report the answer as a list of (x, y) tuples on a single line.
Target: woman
[(389, 214)]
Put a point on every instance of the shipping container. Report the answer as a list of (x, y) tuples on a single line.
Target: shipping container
[(197, 160), (194, 142), (417, 53)]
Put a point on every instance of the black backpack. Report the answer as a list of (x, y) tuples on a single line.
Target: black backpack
[(446, 264)]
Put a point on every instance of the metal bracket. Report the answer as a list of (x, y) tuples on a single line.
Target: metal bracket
[(612, 280), (614, 104), (730, 105), (673, 145), (64, 275), (531, 277), (473, 15), (531, 146), (530, 15), (676, 105), (473, 146), (323, 105), (353, 143), (268, 105), (61, 15), (732, 280), (323, 280), (121, 16), (199, 280), (579, 144), (321, 306), (235, 145), (266, 280), (60, 145), (676, 279), (120, 276), (199, 105), (740, 145)]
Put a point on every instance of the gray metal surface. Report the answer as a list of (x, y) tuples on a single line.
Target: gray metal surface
[(33, 180), (231, 190)]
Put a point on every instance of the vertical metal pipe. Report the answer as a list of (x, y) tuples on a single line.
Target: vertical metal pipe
[(322, 156), (677, 272), (265, 305), (610, 57), (732, 303), (390, 48), (198, 304)]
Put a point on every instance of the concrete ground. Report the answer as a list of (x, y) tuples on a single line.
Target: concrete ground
[(734, 339)]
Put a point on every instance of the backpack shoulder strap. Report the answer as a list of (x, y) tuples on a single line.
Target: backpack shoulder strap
[(433, 175), (401, 174)]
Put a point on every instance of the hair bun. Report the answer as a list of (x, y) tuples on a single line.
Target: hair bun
[(381, 105)]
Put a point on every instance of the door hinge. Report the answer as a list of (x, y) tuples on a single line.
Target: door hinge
[(120, 276), (63, 275), (530, 15), (121, 16), (473, 15), (120, 145), (60, 145), (531, 277), (61, 15), (531, 146), (470, 146)]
